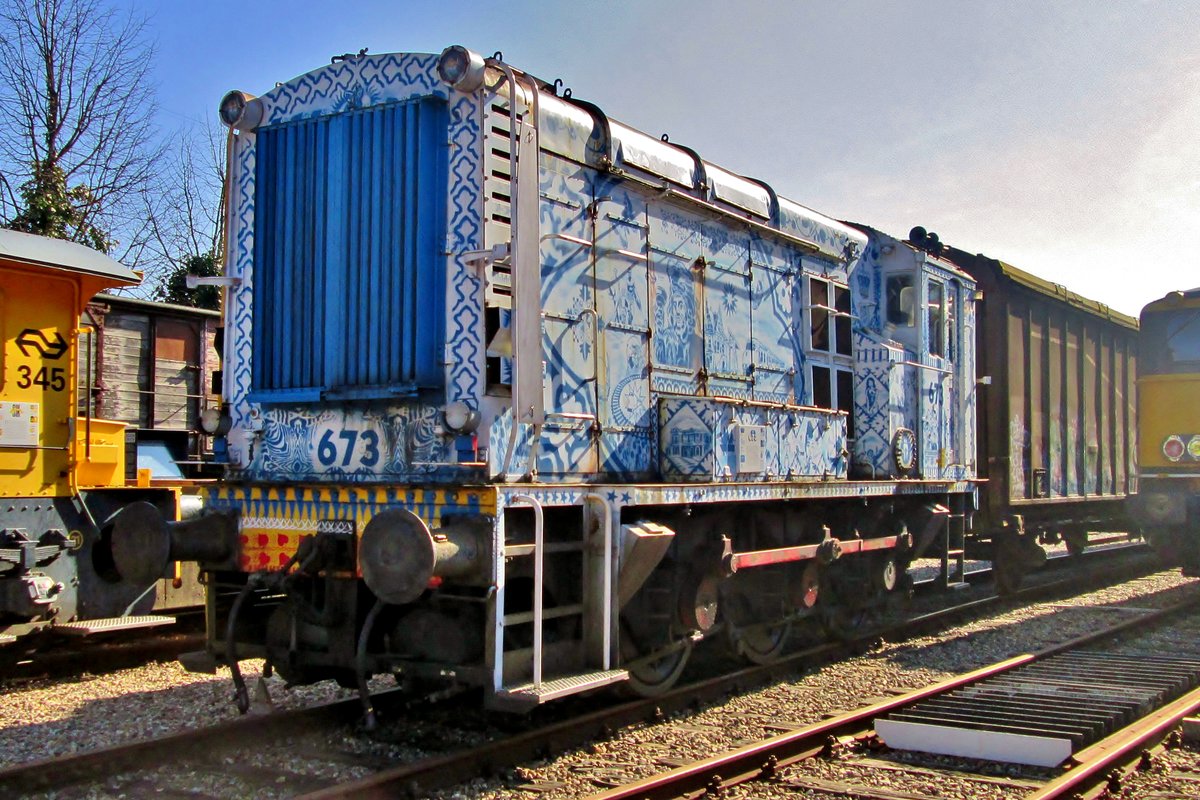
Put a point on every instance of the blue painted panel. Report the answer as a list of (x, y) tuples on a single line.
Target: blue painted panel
[(351, 251), (698, 441), (773, 353), (727, 312), (499, 439), (356, 444), (687, 451), (626, 416), (810, 444), (675, 246), (568, 446)]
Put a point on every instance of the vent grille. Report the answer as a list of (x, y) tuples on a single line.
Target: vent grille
[(349, 271)]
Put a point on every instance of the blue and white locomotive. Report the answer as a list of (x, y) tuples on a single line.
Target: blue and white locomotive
[(522, 397)]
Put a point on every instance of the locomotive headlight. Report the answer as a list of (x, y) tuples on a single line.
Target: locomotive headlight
[(240, 110), (461, 68), (460, 418), (214, 422), (1173, 447), (1193, 447)]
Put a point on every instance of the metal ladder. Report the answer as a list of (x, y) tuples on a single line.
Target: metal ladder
[(954, 554), (538, 690)]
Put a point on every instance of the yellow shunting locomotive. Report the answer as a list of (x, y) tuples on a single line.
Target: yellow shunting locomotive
[(64, 474), (1168, 499)]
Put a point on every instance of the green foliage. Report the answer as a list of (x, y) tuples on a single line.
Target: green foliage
[(51, 208), (174, 288)]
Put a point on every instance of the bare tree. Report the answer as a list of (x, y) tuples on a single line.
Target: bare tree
[(77, 143), (185, 219)]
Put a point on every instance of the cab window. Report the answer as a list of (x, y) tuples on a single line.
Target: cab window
[(937, 323), (901, 305)]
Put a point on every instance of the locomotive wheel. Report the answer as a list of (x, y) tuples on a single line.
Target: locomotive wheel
[(760, 644), (653, 669), (844, 622), (653, 675)]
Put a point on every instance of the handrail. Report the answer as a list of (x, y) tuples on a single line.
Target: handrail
[(538, 568), (608, 587)]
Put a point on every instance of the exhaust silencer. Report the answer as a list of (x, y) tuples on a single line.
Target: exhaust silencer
[(144, 543)]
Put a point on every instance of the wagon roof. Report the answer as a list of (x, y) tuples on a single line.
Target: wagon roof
[(154, 306), (1001, 271), (28, 248), (1060, 292)]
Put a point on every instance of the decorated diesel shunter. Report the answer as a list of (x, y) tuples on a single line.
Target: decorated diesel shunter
[(521, 397), (67, 472)]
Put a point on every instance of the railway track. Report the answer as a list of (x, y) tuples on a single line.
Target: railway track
[(1079, 693), (98, 655), (220, 757)]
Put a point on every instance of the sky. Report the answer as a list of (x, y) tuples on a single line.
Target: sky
[(1062, 137)]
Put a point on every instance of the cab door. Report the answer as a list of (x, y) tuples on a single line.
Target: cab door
[(37, 320), (942, 434)]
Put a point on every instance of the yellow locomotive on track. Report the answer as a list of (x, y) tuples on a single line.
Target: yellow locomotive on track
[(1168, 499), (64, 474)]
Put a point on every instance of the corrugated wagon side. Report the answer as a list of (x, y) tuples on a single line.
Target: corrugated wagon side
[(1056, 408), (150, 366)]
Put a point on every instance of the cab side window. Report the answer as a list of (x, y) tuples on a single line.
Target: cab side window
[(901, 301), (937, 319)]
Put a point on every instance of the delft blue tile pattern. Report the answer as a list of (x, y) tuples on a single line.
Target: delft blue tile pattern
[(698, 441), (709, 307), (499, 435), (774, 335), (626, 415), (568, 327), (285, 443)]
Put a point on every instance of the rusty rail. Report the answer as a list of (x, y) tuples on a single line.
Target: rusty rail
[(763, 759), (448, 770), (451, 768), (1093, 765)]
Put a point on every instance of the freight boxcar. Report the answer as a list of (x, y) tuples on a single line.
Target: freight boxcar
[(1057, 411), (150, 365)]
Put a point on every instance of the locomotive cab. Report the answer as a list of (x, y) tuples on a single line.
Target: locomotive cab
[(66, 473), (1168, 498), (915, 402)]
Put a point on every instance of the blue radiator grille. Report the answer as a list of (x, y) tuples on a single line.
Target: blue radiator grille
[(349, 273)]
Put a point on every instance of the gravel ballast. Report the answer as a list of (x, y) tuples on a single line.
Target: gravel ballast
[(47, 718)]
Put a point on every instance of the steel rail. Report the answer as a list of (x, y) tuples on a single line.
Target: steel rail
[(448, 769), (762, 759), (444, 771), (61, 771), (1093, 765), (95, 657)]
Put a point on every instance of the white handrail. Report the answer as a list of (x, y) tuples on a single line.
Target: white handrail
[(608, 588), (538, 564)]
